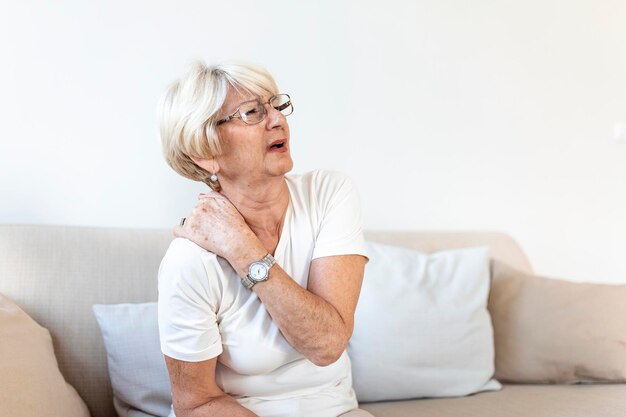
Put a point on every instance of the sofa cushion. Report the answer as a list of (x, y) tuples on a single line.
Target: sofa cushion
[(516, 401), (555, 331), (422, 328), (136, 366), (30, 380)]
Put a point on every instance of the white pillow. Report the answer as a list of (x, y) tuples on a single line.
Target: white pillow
[(422, 328), (141, 385)]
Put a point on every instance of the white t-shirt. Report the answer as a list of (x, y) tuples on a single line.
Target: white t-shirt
[(205, 311)]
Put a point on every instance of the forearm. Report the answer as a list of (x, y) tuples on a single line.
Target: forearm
[(308, 322), (224, 405)]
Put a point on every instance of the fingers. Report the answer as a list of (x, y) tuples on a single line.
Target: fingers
[(211, 194)]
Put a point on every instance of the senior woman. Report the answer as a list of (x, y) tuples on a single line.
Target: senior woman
[(258, 290)]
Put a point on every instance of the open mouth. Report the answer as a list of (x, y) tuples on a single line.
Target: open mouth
[(279, 144)]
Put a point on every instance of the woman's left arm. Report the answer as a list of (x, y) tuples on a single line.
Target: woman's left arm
[(317, 321)]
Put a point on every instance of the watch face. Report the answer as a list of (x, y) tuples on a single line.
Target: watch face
[(258, 271)]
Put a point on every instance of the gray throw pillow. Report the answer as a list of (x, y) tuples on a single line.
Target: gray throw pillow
[(141, 385)]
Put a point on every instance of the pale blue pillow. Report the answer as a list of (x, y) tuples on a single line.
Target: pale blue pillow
[(141, 385)]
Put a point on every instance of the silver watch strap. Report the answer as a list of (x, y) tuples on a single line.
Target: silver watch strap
[(247, 282), (269, 260)]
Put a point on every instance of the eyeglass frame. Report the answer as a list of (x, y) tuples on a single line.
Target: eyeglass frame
[(235, 116)]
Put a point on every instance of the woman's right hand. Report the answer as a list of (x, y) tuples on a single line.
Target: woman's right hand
[(217, 226)]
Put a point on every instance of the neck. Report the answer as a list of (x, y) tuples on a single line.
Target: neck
[(262, 205)]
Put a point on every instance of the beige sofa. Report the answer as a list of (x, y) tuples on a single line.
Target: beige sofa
[(56, 273)]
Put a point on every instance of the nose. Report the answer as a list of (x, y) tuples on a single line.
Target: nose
[(274, 118)]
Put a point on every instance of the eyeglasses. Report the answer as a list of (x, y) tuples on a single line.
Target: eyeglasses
[(253, 111)]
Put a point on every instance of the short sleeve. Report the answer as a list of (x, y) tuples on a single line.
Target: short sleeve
[(188, 304), (341, 229)]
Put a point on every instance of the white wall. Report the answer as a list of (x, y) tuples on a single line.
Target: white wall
[(448, 114)]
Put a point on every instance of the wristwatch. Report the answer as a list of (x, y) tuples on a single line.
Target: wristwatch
[(258, 271)]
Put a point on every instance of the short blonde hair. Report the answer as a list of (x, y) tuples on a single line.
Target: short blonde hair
[(189, 109)]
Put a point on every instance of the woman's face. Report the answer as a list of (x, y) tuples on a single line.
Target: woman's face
[(247, 152)]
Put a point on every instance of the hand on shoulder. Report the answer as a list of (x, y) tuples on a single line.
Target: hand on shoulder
[(215, 225)]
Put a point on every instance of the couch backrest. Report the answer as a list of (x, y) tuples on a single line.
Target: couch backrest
[(56, 273)]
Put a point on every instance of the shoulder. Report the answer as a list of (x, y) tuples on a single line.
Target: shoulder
[(325, 176), (186, 261), (184, 251), (322, 182)]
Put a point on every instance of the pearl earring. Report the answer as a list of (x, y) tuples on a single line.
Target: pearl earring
[(213, 177)]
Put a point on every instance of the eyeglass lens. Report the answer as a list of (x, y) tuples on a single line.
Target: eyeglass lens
[(254, 111)]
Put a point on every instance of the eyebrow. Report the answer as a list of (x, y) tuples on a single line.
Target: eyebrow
[(258, 98)]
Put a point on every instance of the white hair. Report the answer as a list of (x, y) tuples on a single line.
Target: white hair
[(189, 109)]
